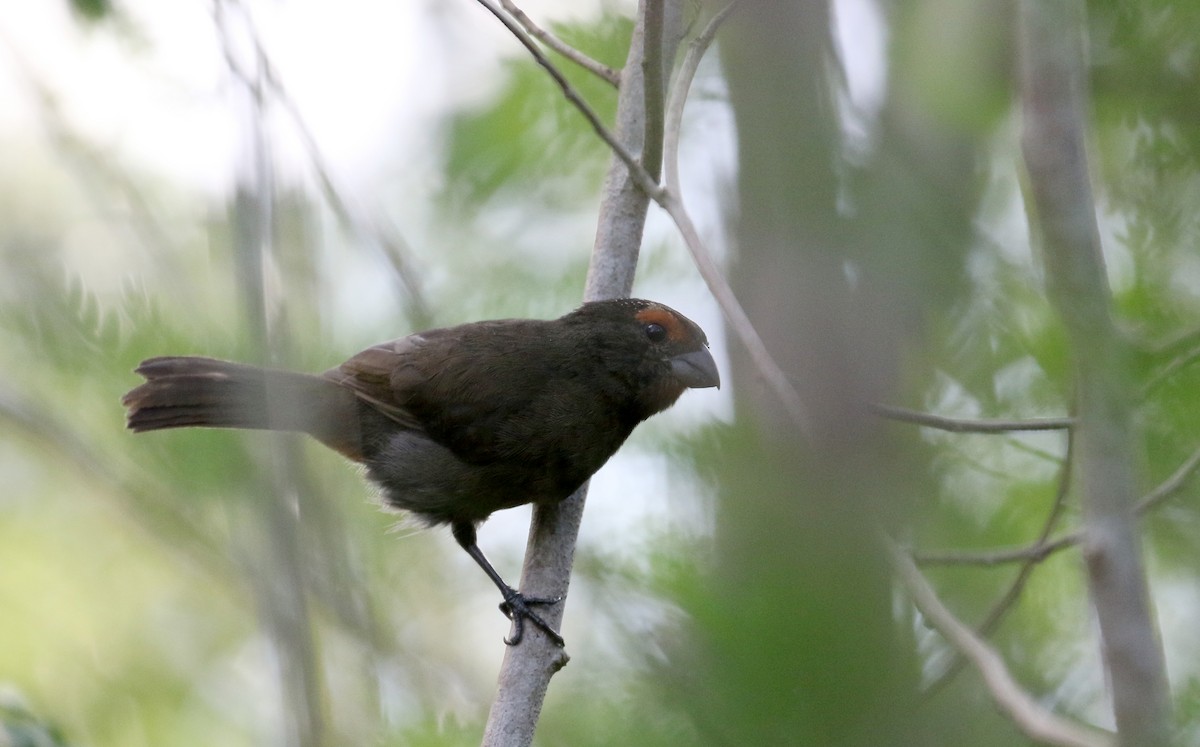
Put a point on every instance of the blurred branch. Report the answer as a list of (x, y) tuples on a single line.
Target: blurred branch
[(996, 614), (1171, 485), (735, 315), (1187, 337), (599, 69), (1173, 366), (992, 619), (1039, 551), (653, 79), (1053, 94), (681, 88), (270, 542), (1036, 552), (1026, 713), (969, 425), (395, 249), (670, 199)]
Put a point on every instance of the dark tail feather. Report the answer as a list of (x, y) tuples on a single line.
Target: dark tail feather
[(182, 392)]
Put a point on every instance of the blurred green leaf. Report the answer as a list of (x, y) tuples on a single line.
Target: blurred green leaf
[(21, 728), (529, 144), (92, 10)]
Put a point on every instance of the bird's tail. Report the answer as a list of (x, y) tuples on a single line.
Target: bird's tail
[(183, 392)]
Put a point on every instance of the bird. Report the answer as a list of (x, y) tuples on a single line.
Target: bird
[(455, 423)]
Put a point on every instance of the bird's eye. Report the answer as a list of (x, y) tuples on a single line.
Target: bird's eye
[(656, 332)]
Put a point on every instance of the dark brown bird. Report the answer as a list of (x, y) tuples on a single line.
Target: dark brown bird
[(456, 423)]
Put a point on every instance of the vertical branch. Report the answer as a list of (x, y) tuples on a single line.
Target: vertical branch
[(269, 541), (526, 671), (1053, 97), (623, 203), (801, 603), (653, 79)]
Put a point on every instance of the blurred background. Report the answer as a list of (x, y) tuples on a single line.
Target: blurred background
[(295, 180)]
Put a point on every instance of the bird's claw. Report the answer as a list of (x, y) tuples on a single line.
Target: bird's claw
[(516, 607)]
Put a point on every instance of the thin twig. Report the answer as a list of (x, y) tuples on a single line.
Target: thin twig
[(671, 201), (1180, 338), (1039, 551), (653, 78), (1169, 486), (1035, 552), (992, 619), (680, 89), (639, 174), (597, 68), (994, 616), (970, 425), (1026, 713), (739, 321), (1172, 367)]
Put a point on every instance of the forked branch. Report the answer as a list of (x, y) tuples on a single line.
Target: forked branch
[(1022, 708)]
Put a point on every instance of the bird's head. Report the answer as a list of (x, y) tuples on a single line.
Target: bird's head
[(656, 351)]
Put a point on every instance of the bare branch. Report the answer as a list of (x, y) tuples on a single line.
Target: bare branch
[(682, 87), (597, 68), (268, 541), (1054, 104), (1173, 366), (738, 320), (653, 80), (969, 425), (670, 200), (1026, 713), (526, 671), (996, 614), (1169, 486), (1036, 552), (1039, 551)]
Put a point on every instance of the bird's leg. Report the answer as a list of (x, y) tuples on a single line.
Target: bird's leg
[(516, 606)]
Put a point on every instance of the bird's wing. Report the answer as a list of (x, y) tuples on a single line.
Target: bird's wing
[(372, 376), (441, 373), (468, 387)]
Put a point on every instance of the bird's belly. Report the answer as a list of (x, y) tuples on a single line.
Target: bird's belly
[(419, 475)]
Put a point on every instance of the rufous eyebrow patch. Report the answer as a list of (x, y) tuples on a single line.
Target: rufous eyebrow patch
[(665, 318)]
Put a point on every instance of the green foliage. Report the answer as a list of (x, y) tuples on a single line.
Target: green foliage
[(529, 144), (1145, 67), (21, 728), (92, 10)]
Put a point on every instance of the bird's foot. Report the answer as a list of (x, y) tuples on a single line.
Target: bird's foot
[(516, 607)]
